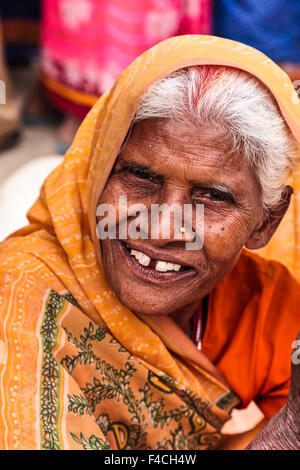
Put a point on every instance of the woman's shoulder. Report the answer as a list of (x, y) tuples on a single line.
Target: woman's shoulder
[(254, 322), (261, 264), (256, 290), (259, 273), (260, 289)]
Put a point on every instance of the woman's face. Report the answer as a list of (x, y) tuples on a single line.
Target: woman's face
[(165, 162)]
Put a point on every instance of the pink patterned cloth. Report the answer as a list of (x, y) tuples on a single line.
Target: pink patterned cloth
[(87, 43)]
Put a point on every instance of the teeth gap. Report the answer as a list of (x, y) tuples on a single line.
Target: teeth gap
[(154, 262)]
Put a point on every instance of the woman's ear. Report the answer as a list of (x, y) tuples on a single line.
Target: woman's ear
[(273, 216)]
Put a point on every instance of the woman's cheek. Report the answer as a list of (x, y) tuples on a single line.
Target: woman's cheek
[(223, 240)]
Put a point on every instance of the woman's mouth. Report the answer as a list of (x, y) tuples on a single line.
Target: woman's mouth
[(153, 269)]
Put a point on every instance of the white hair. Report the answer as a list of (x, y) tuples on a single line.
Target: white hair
[(242, 105)]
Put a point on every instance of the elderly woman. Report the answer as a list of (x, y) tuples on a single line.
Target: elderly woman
[(137, 342)]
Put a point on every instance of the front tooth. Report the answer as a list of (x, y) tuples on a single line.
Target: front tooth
[(176, 267), (133, 252), (170, 266), (144, 260), (173, 267), (161, 266)]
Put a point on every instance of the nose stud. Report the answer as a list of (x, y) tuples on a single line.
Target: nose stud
[(182, 230)]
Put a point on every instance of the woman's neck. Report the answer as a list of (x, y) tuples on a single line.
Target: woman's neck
[(184, 315)]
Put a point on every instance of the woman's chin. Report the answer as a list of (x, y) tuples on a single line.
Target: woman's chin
[(143, 303)]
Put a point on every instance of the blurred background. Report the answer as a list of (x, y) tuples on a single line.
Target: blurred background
[(58, 56)]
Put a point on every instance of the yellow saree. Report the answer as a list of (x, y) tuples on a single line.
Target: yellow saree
[(77, 369)]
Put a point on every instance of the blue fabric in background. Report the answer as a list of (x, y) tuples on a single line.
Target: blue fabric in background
[(271, 26), (20, 10)]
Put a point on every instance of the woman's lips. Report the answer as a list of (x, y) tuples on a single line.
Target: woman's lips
[(149, 273)]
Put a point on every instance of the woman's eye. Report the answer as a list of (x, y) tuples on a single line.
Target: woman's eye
[(139, 173), (215, 196), (144, 174)]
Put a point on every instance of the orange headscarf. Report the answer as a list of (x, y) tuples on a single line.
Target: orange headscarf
[(50, 271)]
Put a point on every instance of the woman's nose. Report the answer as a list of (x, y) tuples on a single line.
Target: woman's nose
[(171, 219), (177, 220), (167, 222)]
